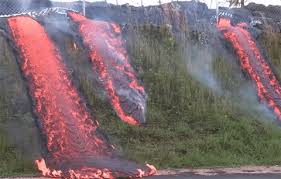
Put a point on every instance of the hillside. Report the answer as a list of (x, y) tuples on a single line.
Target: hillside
[(202, 109)]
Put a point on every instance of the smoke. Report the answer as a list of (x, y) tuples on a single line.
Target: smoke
[(110, 58), (36, 4), (249, 101), (199, 63), (57, 23), (25, 4)]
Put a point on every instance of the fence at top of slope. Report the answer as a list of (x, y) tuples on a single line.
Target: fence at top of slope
[(17, 7)]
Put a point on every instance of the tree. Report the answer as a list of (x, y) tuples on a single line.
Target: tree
[(236, 2)]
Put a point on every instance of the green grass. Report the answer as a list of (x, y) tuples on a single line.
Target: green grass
[(17, 128), (12, 161), (272, 43), (188, 124)]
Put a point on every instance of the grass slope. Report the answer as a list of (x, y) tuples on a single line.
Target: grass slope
[(188, 125), (18, 141)]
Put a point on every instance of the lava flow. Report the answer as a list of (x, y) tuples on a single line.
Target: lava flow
[(253, 62), (76, 148), (109, 58)]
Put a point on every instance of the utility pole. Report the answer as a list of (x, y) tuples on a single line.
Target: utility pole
[(117, 2), (84, 7)]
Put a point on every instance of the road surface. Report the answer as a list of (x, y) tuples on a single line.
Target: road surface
[(233, 176), (192, 176), (244, 172), (247, 172)]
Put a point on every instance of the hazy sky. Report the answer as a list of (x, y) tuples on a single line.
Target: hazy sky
[(210, 3)]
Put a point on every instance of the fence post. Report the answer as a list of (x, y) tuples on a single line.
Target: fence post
[(84, 7), (217, 11)]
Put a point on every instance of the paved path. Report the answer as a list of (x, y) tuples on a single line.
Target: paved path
[(234, 176), (247, 172), (192, 176)]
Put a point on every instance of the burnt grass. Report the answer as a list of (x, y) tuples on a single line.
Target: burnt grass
[(188, 124)]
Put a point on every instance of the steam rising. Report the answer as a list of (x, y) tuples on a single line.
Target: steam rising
[(199, 63), (76, 147)]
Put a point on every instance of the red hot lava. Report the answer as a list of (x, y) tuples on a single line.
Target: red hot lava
[(110, 60), (252, 61), (76, 148)]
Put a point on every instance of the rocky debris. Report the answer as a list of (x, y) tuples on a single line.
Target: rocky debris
[(269, 16), (175, 14), (191, 14)]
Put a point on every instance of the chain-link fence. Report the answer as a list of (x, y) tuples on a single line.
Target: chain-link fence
[(13, 7)]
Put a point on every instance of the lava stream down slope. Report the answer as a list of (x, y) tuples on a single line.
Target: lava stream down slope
[(110, 60), (253, 62), (75, 146)]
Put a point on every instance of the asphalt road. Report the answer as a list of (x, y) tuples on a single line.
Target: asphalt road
[(235, 176), (192, 176)]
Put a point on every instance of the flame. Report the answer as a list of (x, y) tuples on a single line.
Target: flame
[(114, 68), (41, 165), (74, 46), (152, 168), (74, 144), (252, 61), (91, 172)]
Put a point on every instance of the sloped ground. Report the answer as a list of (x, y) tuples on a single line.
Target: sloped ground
[(188, 124), (271, 43), (18, 132)]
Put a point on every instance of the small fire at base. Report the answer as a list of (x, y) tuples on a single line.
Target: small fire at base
[(41, 165), (76, 148)]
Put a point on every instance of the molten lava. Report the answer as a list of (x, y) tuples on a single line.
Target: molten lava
[(76, 148), (109, 58), (253, 62)]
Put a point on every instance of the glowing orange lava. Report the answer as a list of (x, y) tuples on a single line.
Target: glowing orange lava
[(76, 148), (252, 61), (110, 59)]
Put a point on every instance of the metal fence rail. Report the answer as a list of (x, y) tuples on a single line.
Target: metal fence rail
[(10, 7), (15, 7)]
